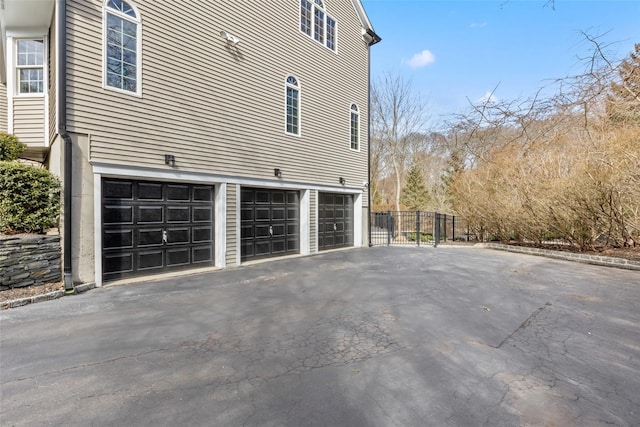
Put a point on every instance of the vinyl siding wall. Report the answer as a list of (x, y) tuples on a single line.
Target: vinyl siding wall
[(53, 118), (3, 108), (219, 110), (28, 120), (232, 218), (313, 221)]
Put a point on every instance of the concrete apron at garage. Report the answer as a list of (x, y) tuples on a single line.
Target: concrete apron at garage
[(381, 336)]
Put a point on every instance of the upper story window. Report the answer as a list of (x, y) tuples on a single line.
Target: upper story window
[(315, 23), (122, 42), (30, 66), (355, 127), (293, 106)]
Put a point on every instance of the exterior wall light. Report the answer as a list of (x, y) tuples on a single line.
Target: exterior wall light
[(277, 172), (170, 160), (342, 181)]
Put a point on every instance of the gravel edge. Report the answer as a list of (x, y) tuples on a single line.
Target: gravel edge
[(44, 297)]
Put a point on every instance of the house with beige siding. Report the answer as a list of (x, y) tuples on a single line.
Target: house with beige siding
[(193, 134)]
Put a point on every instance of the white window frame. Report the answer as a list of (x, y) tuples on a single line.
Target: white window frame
[(297, 87), (16, 68), (138, 21), (357, 112), (318, 6)]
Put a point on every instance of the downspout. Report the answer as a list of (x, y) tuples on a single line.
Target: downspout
[(61, 51), (374, 39)]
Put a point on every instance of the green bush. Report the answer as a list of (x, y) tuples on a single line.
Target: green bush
[(10, 147), (29, 198), (424, 237)]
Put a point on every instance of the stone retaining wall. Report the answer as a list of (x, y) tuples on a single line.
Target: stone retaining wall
[(27, 261)]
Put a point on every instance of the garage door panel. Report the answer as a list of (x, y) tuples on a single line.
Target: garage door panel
[(202, 194), (149, 191), (262, 248), (247, 232), (277, 214), (202, 234), (335, 220), (293, 245), (150, 237), (118, 239), (178, 214), (202, 214), (150, 259), (263, 197), (178, 236), (178, 257), (118, 263), (262, 214), (140, 226), (262, 230), (178, 192), (273, 216), (279, 246), (150, 214), (201, 254), (246, 214), (248, 248), (113, 189), (278, 230), (112, 214)]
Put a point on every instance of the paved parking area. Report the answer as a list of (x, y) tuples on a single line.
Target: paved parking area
[(364, 337)]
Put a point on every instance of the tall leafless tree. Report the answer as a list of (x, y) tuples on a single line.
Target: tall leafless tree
[(398, 116)]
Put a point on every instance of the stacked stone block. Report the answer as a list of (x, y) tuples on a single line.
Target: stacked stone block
[(29, 261)]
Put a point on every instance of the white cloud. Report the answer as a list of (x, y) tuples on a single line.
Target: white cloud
[(421, 59), (478, 24), (488, 98)]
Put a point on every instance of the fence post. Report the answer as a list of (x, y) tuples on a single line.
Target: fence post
[(445, 228), (453, 228), (389, 228), (436, 231), (418, 233)]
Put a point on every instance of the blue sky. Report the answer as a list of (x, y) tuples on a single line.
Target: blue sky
[(453, 50)]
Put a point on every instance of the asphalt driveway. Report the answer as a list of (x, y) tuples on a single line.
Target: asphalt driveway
[(364, 337)]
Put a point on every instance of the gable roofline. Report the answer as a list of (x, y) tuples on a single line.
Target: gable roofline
[(368, 32)]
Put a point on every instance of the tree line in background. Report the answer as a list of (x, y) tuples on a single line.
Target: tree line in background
[(565, 166)]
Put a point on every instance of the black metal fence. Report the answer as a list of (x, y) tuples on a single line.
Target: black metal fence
[(415, 228)]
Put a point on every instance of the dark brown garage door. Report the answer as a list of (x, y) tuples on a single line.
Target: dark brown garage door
[(150, 227), (335, 220), (270, 223)]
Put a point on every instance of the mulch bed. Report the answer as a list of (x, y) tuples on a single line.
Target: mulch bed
[(30, 291), (632, 254)]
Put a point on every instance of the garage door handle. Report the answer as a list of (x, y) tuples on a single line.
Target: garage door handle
[(335, 227), (164, 236), (270, 231)]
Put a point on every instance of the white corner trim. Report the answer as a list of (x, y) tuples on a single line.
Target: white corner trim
[(97, 227), (357, 220), (220, 225), (305, 221)]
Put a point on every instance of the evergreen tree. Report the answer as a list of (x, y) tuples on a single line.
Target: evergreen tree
[(415, 195), (623, 105)]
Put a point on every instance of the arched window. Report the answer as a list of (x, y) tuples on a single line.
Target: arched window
[(292, 95), (315, 23), (122, 46), (355, 127)]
